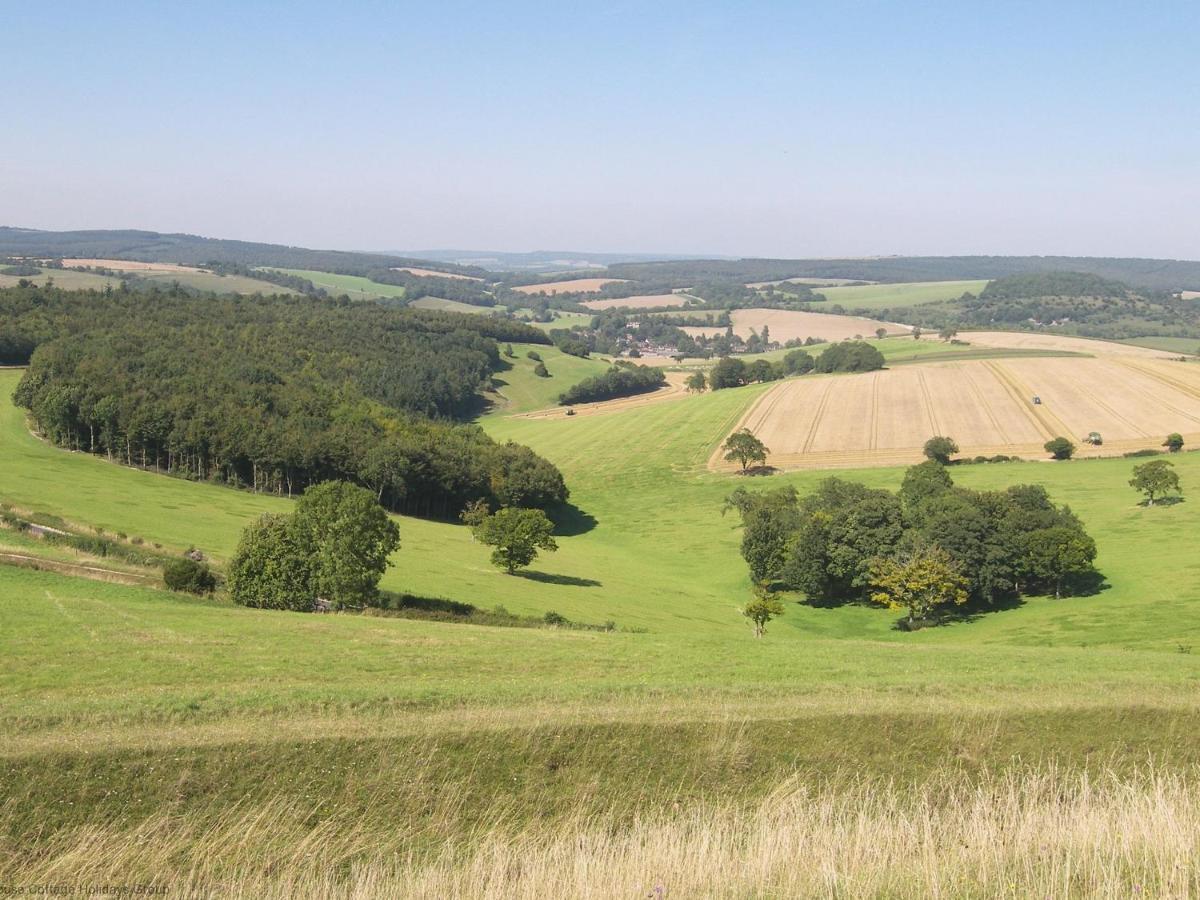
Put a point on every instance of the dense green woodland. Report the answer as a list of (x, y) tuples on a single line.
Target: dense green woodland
[(274, 393)]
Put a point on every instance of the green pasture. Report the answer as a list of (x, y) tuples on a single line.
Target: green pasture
[(354, 286), (1189, 346), (453, 306), (886, 296)]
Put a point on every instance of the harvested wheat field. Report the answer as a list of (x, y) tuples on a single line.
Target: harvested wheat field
[(642, 301), (126, 265), (433, 273), (572, 286), (885, 417), (1018, 340), (786, 325)]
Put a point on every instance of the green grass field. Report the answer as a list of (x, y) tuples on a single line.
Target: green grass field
[(68, 279), (354, 286), (253, 724), (220, 284), (885, 296), (1189, 346), (522, 391)]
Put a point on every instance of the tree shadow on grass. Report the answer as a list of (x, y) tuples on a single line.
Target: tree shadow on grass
[(1161, 501), (565, 580), (754, 471), (569, 520)]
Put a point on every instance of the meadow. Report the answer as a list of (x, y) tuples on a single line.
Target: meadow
[(219, 749), (889, 296), (356, 287)]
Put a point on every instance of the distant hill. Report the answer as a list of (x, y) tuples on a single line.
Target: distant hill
[(542, 260), (192, 250), (1153, 274)]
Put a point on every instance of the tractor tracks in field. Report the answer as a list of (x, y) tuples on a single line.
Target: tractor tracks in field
[(1043, 420)]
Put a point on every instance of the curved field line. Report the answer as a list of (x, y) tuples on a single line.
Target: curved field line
[(1137, 429), (986, 407), (817, 416), (933, 426), (874, 441), (1181, 386), (1044, 421)]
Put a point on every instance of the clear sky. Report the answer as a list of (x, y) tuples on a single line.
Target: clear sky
[(756, 128)]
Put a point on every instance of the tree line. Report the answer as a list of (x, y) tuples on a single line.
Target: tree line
[(274, 394), (624, 379)]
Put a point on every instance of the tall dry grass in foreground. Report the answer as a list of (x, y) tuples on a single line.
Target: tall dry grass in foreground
[(1022, 834)]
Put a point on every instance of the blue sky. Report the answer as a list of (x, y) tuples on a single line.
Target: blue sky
[(771, 129)]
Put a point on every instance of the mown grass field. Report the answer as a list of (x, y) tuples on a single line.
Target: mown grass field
[(367, 741), (885, 296), (1189, 346), (355, 287)]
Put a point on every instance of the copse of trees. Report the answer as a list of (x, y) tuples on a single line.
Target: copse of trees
[(850, 356), (847, 543), (274, 394), (333, 547), (624, 379)]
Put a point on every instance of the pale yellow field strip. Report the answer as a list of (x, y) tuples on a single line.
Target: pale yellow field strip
[(986, 406), (126, 265), (433, 273), (787, 324), (641, 301), (1021, 340), (571, 286)]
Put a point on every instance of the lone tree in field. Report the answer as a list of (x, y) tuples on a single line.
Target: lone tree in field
[(517, 534), (940, 449), (1174, 442), (881, 333), (696, 383), (334, 546), (761, 610), (924, 583), (1154, 479), (1059, 448), (743, 447), (948, 333)]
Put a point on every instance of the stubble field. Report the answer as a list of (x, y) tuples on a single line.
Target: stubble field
[(884, 417)]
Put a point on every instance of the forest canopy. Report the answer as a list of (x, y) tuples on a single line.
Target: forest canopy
[(275, 393)]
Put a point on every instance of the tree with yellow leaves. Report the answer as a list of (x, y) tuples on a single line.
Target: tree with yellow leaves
[(921, 584)]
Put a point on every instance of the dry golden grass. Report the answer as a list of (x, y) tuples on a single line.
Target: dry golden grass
[(433, 273), (126, 265), (1022, 833), (885, 417), (786, 325), (640, 301), (1020, 340), (573, 285)]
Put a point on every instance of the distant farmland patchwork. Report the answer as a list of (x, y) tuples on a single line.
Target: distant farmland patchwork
[(884, 418), (787, 325), (573, 285)]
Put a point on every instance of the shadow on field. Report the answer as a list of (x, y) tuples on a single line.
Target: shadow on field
[(565, 580), (569, 520), (1161, 501)]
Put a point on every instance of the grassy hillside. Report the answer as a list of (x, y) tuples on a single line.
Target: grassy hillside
[(889, 296), (354, 286), (286, 755), (452, 306), (522, 391)]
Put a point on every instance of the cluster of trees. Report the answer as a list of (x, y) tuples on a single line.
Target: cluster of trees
[(333, 547), (271, 276), (847, 356), (275, 394), (624, 379), (847, 543)]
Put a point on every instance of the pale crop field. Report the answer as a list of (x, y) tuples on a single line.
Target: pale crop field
[(640, 301), (786, 325), (433, 273), (885, 417), (1022, 340), (127, 265), (570, 286)]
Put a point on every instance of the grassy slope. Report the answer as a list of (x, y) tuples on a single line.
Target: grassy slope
[(64, 278), (1190, 346), (354, 286), (452, 306), (522, 391), (884, 296), (221, 284)]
